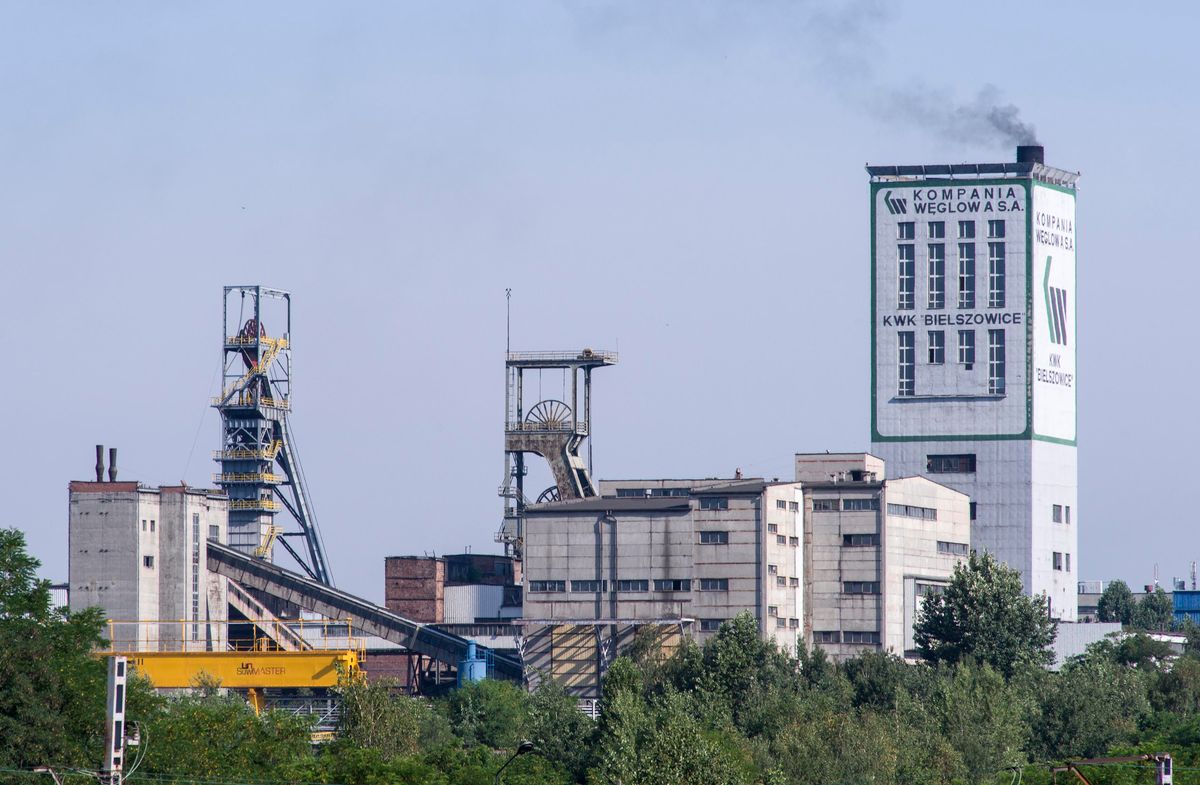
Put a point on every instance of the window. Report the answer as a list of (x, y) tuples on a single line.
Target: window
[(1058, 561), (966, 275), (672, 584), (859, 540), (905, 230), (937, 230), (996, 362), (962, 463), (772, 610), (974, 510), (781, 580), (966, 230), (1068, 558), (547, 586), (638, 584), (966, 349), (772, 569), (907, 360), (151, 525), (1068, 509), (937, 347), (827, 636), (793, 582), (794, 542), (937, 276), (850, 505), (850, 636), (781, 623), (710, 625), (925, 589), (996, 230), (772, 527), (953, 548), (793, 506), (214, 532), (780, 504), (780, 539), (793, 623), (825, 505), (148, 561), (995, 275), (143, 524), (626, 493), (714, 503), (714, 584), (912, 511), (1056, 513), (906, 277), (714, 538), (589, 586), (860, 587)]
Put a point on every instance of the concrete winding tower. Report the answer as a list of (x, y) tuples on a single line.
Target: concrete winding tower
[(551, 428), (260, 470)]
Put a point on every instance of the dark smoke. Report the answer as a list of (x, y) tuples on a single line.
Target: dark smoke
[(986, 118)]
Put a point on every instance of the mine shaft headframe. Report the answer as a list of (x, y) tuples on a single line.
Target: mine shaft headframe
[(1161, 760)]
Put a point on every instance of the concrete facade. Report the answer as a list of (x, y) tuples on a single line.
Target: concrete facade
[(873, 549), (657, 550), (140, 554), (973, 352)]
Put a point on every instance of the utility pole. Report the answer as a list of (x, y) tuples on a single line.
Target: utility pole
[(114, 722)]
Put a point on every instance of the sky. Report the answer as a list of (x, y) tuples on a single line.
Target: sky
[(679, 181)]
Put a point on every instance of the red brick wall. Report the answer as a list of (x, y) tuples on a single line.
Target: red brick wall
[(415, 587)]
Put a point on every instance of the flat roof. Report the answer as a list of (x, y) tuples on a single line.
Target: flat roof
[(1013, 169), (612, 504)]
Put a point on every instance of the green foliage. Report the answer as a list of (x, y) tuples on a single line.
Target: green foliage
[(1095, 702), (1153, 612), (1116, 603), (376, 716), (562, 733), (490, 713), (983, 718), (984, 615)]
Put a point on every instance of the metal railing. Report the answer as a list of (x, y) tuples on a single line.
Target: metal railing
[(243, 454), (255, 504), (257, 478), (251, 401), (541, 427), (175, 635), (585, 355)]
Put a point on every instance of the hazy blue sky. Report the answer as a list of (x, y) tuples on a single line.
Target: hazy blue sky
[(682, 181)]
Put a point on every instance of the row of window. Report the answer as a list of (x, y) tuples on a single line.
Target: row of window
[(630, 585), (722, 538), (643, 492), (913, 511), (860, 587), (1059, 560), (907, 358), (782, 504), (144, 525), (1057, 512), (848, 636), (906, 272), (714, 503), (845, 505), (953, 548), (907, 230)]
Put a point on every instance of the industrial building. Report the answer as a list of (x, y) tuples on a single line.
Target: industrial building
[(874, 548), (973, 375), (141, 555)]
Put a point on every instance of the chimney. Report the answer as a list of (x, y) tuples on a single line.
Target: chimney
[(1031, 154), (99, 463), (112, 464)]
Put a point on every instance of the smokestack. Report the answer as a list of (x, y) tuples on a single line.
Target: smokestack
[(112, 464), (99, 463), (1031, 154)]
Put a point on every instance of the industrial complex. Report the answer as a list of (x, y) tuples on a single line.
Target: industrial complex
[(973, 436)]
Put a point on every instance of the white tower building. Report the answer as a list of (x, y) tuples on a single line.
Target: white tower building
[(973, 351)]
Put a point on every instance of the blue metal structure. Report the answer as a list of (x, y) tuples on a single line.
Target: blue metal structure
[(260, 470)]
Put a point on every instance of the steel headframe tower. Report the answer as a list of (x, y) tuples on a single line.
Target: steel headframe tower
[(551, 428), (256, 437)]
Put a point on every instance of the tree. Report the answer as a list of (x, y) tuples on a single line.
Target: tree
[(1092, 704), (1116, 603), (1154, 611), (983, 614), (489, 712)]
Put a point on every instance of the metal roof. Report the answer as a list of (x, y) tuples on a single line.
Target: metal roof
[(1037, 171), (612, 504)]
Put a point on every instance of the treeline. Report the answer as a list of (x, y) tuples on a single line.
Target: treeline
[(737, 710)]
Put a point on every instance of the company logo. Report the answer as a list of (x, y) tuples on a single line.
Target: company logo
[(895, 206), (1056, 308), (250, 669)]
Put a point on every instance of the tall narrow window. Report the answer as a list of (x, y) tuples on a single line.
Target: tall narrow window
[(905, 230), (937, 275), (995, 275), (966, 230), (907, 277), (996, 362), (937, 347), (996, 230), (937, 230), (966, 349), (907, 360), (966, 275)]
